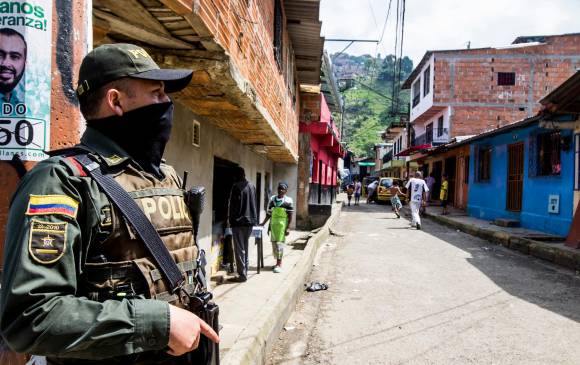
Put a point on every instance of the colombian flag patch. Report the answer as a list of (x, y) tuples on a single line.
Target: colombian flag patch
[(52, 204)]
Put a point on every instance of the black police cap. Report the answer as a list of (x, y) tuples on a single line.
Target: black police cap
[(111, 62)]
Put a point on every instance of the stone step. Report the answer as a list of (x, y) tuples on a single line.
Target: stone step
[(502, 222)]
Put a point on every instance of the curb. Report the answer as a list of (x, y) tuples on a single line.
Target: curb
[(256, 340), (545, 251)]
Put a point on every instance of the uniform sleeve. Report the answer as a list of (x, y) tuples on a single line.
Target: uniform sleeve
[(425, 187), (40, 312), (408, 184)]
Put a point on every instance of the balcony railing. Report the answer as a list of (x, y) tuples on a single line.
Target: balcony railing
[(435, 137), (391, 157)]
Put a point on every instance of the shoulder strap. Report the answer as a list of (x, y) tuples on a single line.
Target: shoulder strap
[(137, 219)]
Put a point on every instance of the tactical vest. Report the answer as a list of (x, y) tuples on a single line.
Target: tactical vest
[(120, 266)]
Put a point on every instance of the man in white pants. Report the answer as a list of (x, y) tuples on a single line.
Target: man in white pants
[(416, 189)]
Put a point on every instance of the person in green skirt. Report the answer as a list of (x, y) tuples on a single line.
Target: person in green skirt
[(280, 210)]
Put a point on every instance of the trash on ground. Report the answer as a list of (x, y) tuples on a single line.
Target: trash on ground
[(289, 328), (315, 286), (336, 233)]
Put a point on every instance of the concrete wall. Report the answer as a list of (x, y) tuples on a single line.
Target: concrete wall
[(487, 200), (199, 161), (71, 39)]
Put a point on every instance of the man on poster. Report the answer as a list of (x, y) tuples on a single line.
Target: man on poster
[(13, 49)]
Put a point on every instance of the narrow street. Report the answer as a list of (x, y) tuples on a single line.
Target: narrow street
[(401, 296)]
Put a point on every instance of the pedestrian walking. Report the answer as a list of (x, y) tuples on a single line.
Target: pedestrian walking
[(79, 286), (430, 181), (444, 193), (416, 189), (357, 191), (349, 192), (242, 217), (395, 191), (280, 210)]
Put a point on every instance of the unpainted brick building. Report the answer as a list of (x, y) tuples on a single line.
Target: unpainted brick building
[(465, 92)]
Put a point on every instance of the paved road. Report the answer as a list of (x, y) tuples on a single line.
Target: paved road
[(437, 296)]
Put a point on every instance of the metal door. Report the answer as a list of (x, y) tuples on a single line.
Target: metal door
[(515, 177)]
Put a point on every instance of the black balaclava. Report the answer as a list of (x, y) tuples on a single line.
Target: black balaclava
[(142, 133)]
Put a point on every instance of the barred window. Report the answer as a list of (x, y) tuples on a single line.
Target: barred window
[(484, 164), (548, 154), (506, 78)]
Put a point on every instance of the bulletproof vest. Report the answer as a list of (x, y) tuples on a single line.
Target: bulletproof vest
[(120, 265)]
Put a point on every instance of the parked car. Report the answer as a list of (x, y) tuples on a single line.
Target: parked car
[(384, 193)]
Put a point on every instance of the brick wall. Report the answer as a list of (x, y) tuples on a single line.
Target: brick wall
[(69, 45), (467, 81), (309, 107), (244, 28)]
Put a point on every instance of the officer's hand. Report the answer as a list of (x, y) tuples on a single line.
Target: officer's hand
[(185, 329)]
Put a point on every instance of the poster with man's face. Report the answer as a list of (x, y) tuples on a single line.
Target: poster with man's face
[(25, 75), (12, 64)]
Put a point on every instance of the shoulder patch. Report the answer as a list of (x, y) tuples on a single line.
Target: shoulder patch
[(52, 204), (47, 241)]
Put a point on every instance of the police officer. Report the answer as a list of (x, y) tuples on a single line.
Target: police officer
[(78, 285)]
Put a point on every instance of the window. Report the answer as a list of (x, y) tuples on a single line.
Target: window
[(416, 92), (427, 81), (196, 137), (278, 32), (440, 126), (548, 154), (429, 133), (506, 78), (484, 164)]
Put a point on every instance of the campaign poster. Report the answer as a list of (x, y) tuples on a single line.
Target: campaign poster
[(25, 75)]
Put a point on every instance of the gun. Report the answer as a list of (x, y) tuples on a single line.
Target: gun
[(201, 302)]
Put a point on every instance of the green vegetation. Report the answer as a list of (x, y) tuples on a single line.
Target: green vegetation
[(367, 112)]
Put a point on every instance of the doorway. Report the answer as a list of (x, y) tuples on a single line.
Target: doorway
[(437, 172), (223, 180), (515, 177), (462, 182), (450, 166), (258, 192)]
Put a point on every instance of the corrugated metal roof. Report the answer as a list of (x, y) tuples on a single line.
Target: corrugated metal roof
[(304, 26), (565, 98)]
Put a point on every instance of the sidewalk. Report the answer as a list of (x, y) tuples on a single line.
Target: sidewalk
[(253, 313), (538, 244)]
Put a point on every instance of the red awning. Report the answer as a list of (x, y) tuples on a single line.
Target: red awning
[(410, 150)]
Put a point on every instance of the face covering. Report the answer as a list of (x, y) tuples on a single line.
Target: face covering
[(142, 133)]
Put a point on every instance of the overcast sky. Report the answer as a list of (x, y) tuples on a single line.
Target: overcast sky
[(445, 24)]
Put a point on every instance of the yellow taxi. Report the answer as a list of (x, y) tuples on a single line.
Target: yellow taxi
[(384, 190)]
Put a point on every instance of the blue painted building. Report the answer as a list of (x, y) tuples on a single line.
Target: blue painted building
[(523, 172)]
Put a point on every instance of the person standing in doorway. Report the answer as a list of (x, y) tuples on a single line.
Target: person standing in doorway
[(357, 191), (444, 193), (242, 216), (280, 210), (416, 190)]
